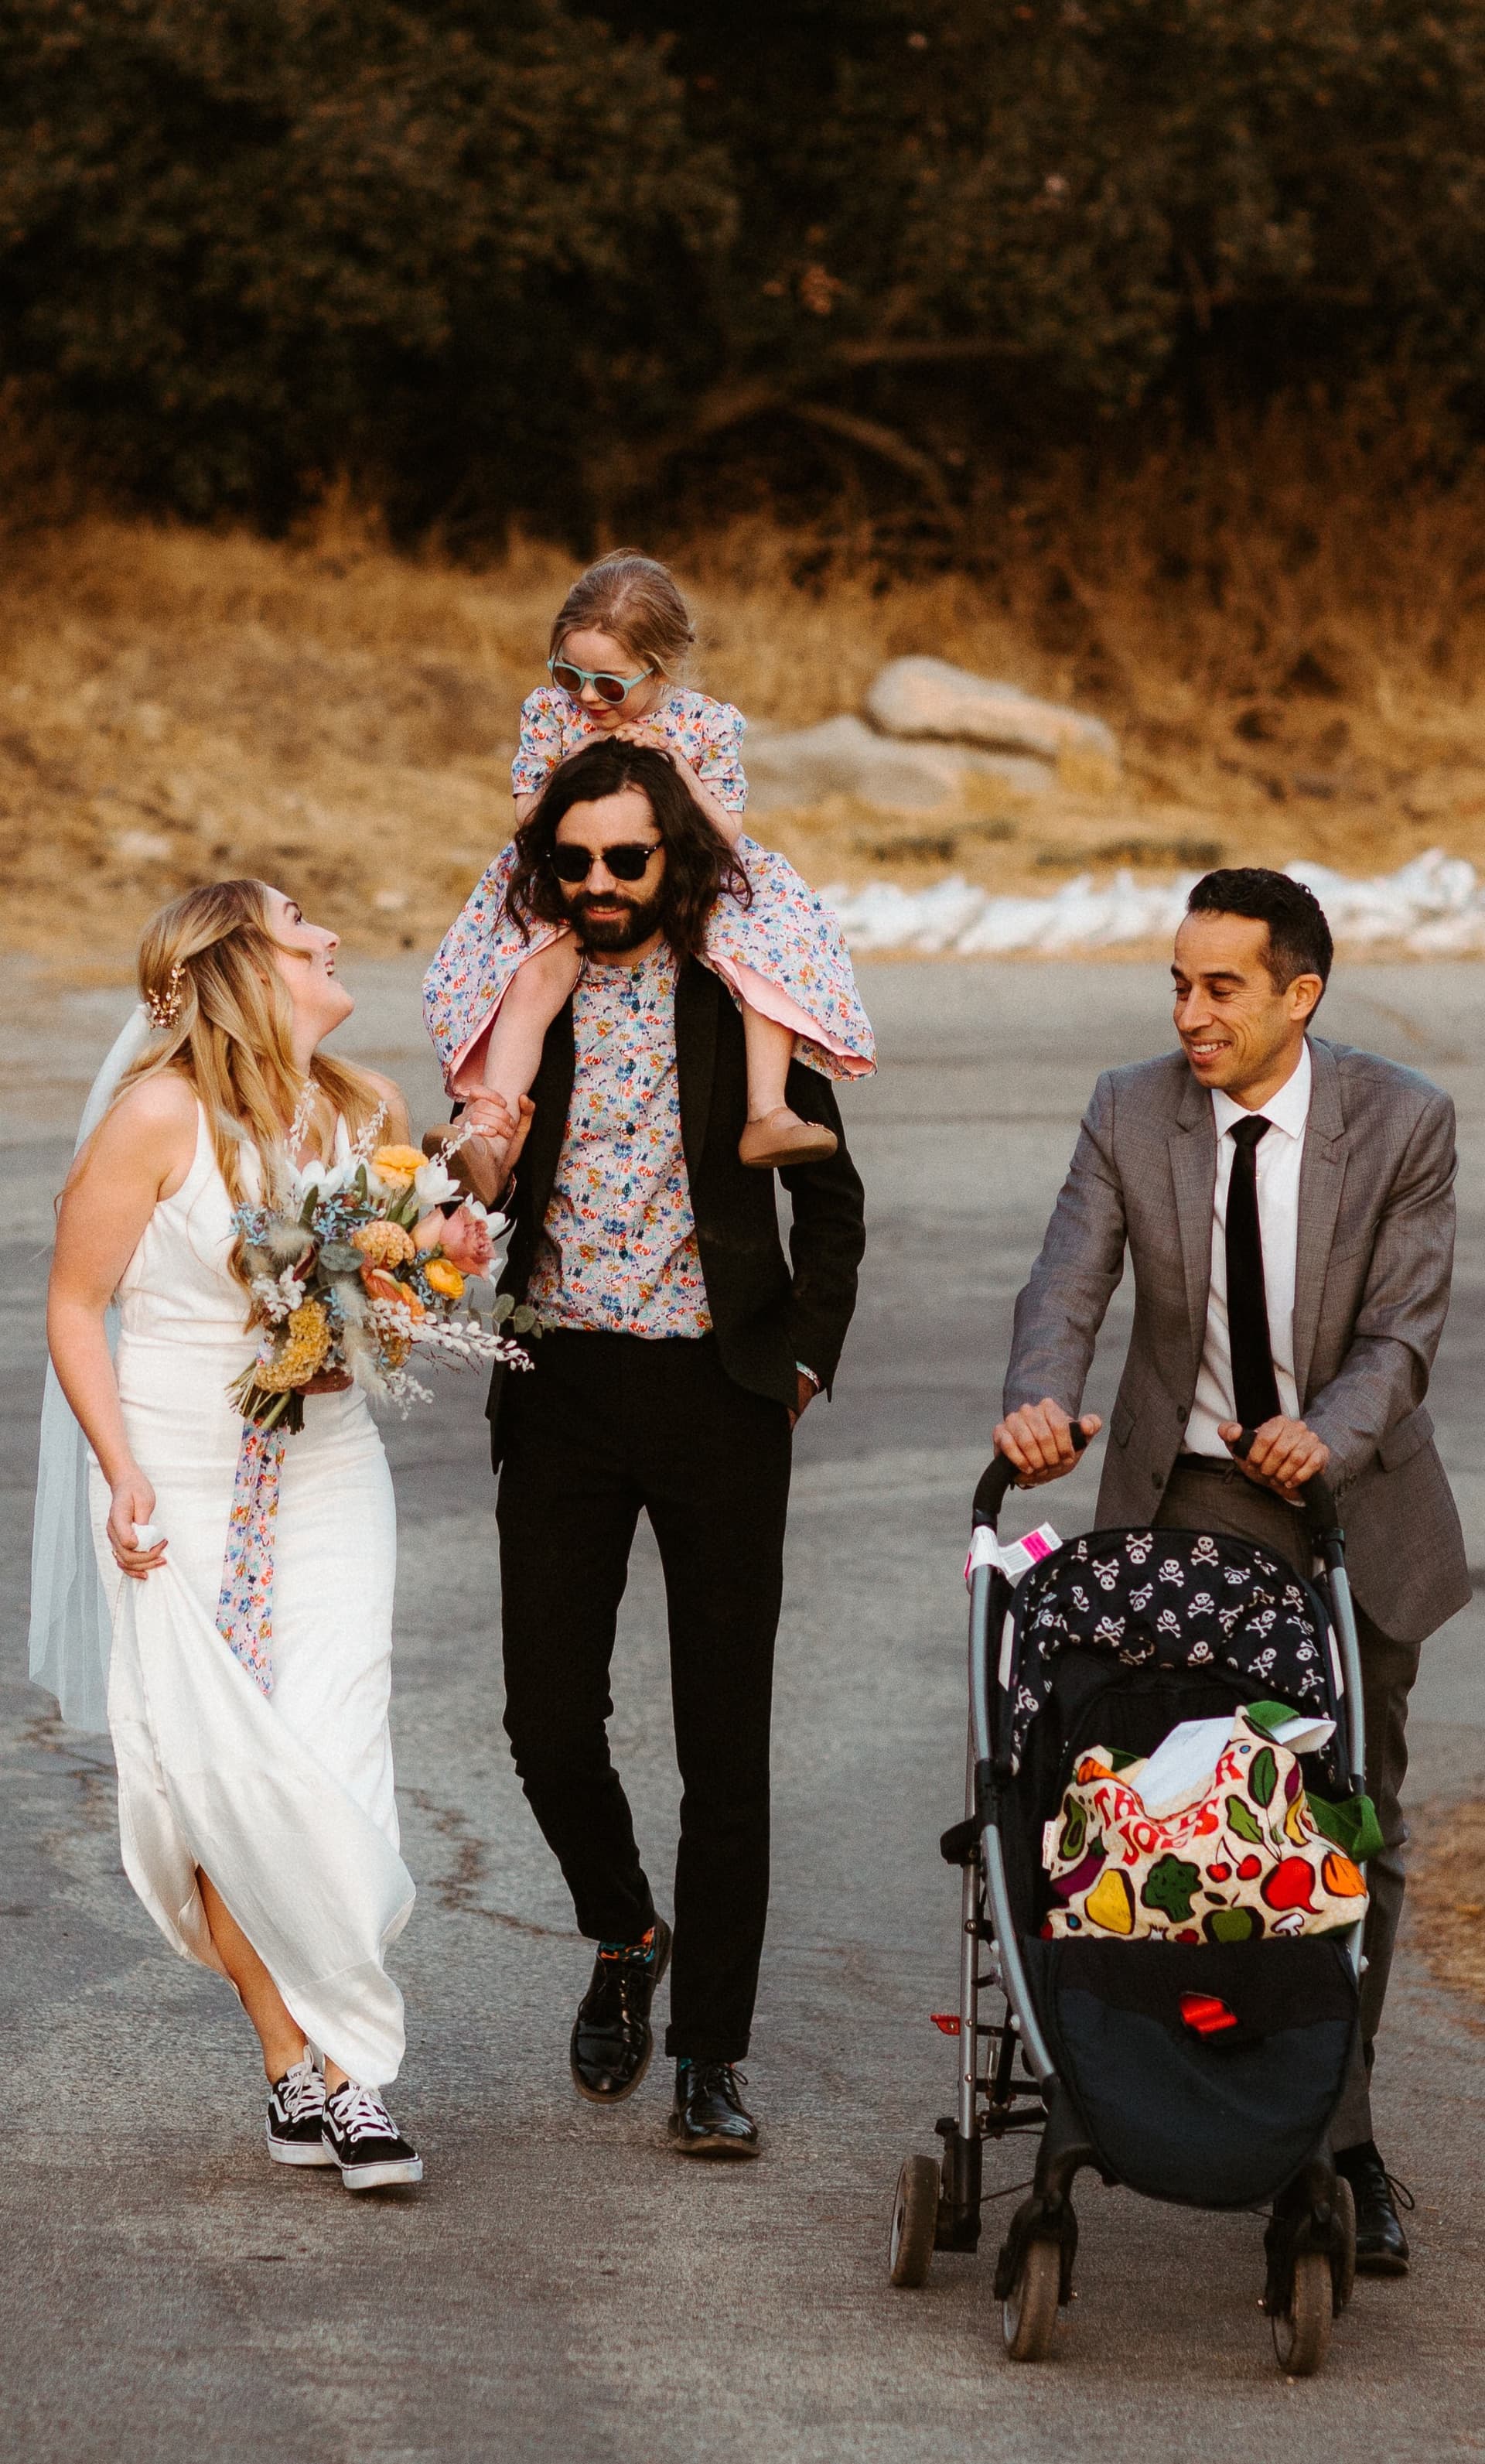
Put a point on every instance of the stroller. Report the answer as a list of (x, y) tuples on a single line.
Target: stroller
[(1093, 2046)]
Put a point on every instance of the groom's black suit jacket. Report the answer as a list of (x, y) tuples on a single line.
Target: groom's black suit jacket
[(767, 1312)]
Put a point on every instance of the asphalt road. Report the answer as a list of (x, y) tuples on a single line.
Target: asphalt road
[(562, 2286)]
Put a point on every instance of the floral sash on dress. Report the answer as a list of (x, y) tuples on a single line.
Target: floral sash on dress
[(245, 1609)]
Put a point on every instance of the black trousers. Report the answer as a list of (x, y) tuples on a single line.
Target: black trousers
[(604, 1427), (1224, 1499)]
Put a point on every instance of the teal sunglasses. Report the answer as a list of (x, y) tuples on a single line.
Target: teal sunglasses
[(609, 688)]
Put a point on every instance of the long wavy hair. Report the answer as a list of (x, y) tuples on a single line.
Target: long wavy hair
[(699, 862), (231, 1039)]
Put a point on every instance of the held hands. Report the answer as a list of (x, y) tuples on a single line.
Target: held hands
[(133, 1503), (1284, 1455), (490, 1156), (1037, 1438)]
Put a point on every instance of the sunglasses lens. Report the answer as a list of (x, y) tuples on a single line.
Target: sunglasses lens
[(570, 679), (612, 687), (574, 864)]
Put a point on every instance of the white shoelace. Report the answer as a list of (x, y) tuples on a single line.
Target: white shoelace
[(359, 2114), (301, 2091)]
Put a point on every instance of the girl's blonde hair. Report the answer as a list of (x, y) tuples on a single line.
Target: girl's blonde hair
[(635, 599), (207, 965)]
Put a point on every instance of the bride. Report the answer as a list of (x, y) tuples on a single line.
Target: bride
[(259, 1828)]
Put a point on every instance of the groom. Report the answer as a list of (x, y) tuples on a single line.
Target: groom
[(680, 1350)]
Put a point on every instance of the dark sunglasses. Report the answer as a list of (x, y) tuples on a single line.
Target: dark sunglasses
[(574, 864), (609, 688)]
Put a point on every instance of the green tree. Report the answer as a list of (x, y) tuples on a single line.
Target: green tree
[(253, 241), (534, 258), (1021, 213)]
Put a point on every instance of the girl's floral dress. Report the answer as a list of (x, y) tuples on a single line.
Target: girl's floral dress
[(783, 954)]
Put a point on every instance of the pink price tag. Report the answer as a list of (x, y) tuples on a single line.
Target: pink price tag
[(1017, 1558)]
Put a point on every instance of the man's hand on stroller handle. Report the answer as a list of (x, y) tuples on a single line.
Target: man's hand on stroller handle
[(1038, 1440), (1283, 1455)]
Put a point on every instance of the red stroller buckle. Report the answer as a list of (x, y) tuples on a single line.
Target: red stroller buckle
[(1205, 2016)]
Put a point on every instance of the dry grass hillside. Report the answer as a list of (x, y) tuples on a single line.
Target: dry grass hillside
[(1444, 1899), (1287, 640)]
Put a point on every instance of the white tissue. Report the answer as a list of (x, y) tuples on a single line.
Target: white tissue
[(1181, 1768)]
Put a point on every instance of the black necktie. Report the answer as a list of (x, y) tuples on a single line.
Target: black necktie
[(1255, 1387)]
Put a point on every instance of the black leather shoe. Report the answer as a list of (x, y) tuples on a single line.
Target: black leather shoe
[(1381, 2243), (612, 2042), (708, 2117)]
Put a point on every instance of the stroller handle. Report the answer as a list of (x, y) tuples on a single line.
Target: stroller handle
[(1320, 1509), (1001, 1475)]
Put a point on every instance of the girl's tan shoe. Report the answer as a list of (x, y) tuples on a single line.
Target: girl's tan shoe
[(781, 1137)]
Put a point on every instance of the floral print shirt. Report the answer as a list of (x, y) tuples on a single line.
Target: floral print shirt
[(708, 734), (618, 1252)]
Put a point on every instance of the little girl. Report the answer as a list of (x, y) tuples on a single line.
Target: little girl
[(618, 642)]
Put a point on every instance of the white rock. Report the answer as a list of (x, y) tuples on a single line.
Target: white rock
[(843, 757), (1434, 906), (928, 697)]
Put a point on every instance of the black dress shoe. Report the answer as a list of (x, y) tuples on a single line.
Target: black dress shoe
[(612, 2042), (708, 2117), (1381, 2243)]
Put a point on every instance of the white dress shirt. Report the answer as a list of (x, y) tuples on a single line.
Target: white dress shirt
[(1277, 1171)]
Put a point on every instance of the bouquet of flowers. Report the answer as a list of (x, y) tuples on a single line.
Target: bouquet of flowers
[(354, 1268)]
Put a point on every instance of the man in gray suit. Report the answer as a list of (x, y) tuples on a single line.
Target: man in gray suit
[(1288, 1204)]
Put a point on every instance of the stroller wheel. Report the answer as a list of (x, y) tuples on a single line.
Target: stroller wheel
[(1028, 2314), (1302, 2337), (914, 2221), (1346, 2266)]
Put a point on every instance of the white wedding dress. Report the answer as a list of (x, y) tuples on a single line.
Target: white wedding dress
[(283, 1800)]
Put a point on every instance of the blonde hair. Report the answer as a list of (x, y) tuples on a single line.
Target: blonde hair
[(635, 599), (209, 965)]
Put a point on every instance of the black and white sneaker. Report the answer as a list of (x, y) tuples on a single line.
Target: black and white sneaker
[(296, 2116), (365, 2142)]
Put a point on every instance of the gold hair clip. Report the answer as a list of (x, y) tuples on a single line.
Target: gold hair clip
[(165, 1009)]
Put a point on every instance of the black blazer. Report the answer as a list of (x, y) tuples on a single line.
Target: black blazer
[(766, 1317)]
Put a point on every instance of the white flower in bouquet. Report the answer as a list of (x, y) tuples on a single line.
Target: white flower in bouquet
[(433, 1184), (330, 1179)]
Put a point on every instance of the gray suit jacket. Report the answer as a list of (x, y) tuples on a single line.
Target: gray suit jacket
[(1371, 1293)]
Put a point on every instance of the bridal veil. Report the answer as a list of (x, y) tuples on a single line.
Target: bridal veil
[(70, 1623)]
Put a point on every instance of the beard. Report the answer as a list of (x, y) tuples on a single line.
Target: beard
[(638, 919)]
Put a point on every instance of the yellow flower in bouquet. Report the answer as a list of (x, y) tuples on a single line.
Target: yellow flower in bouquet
[(384, 1244), (444, 1276), (306, 1348), (397, 1165)]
